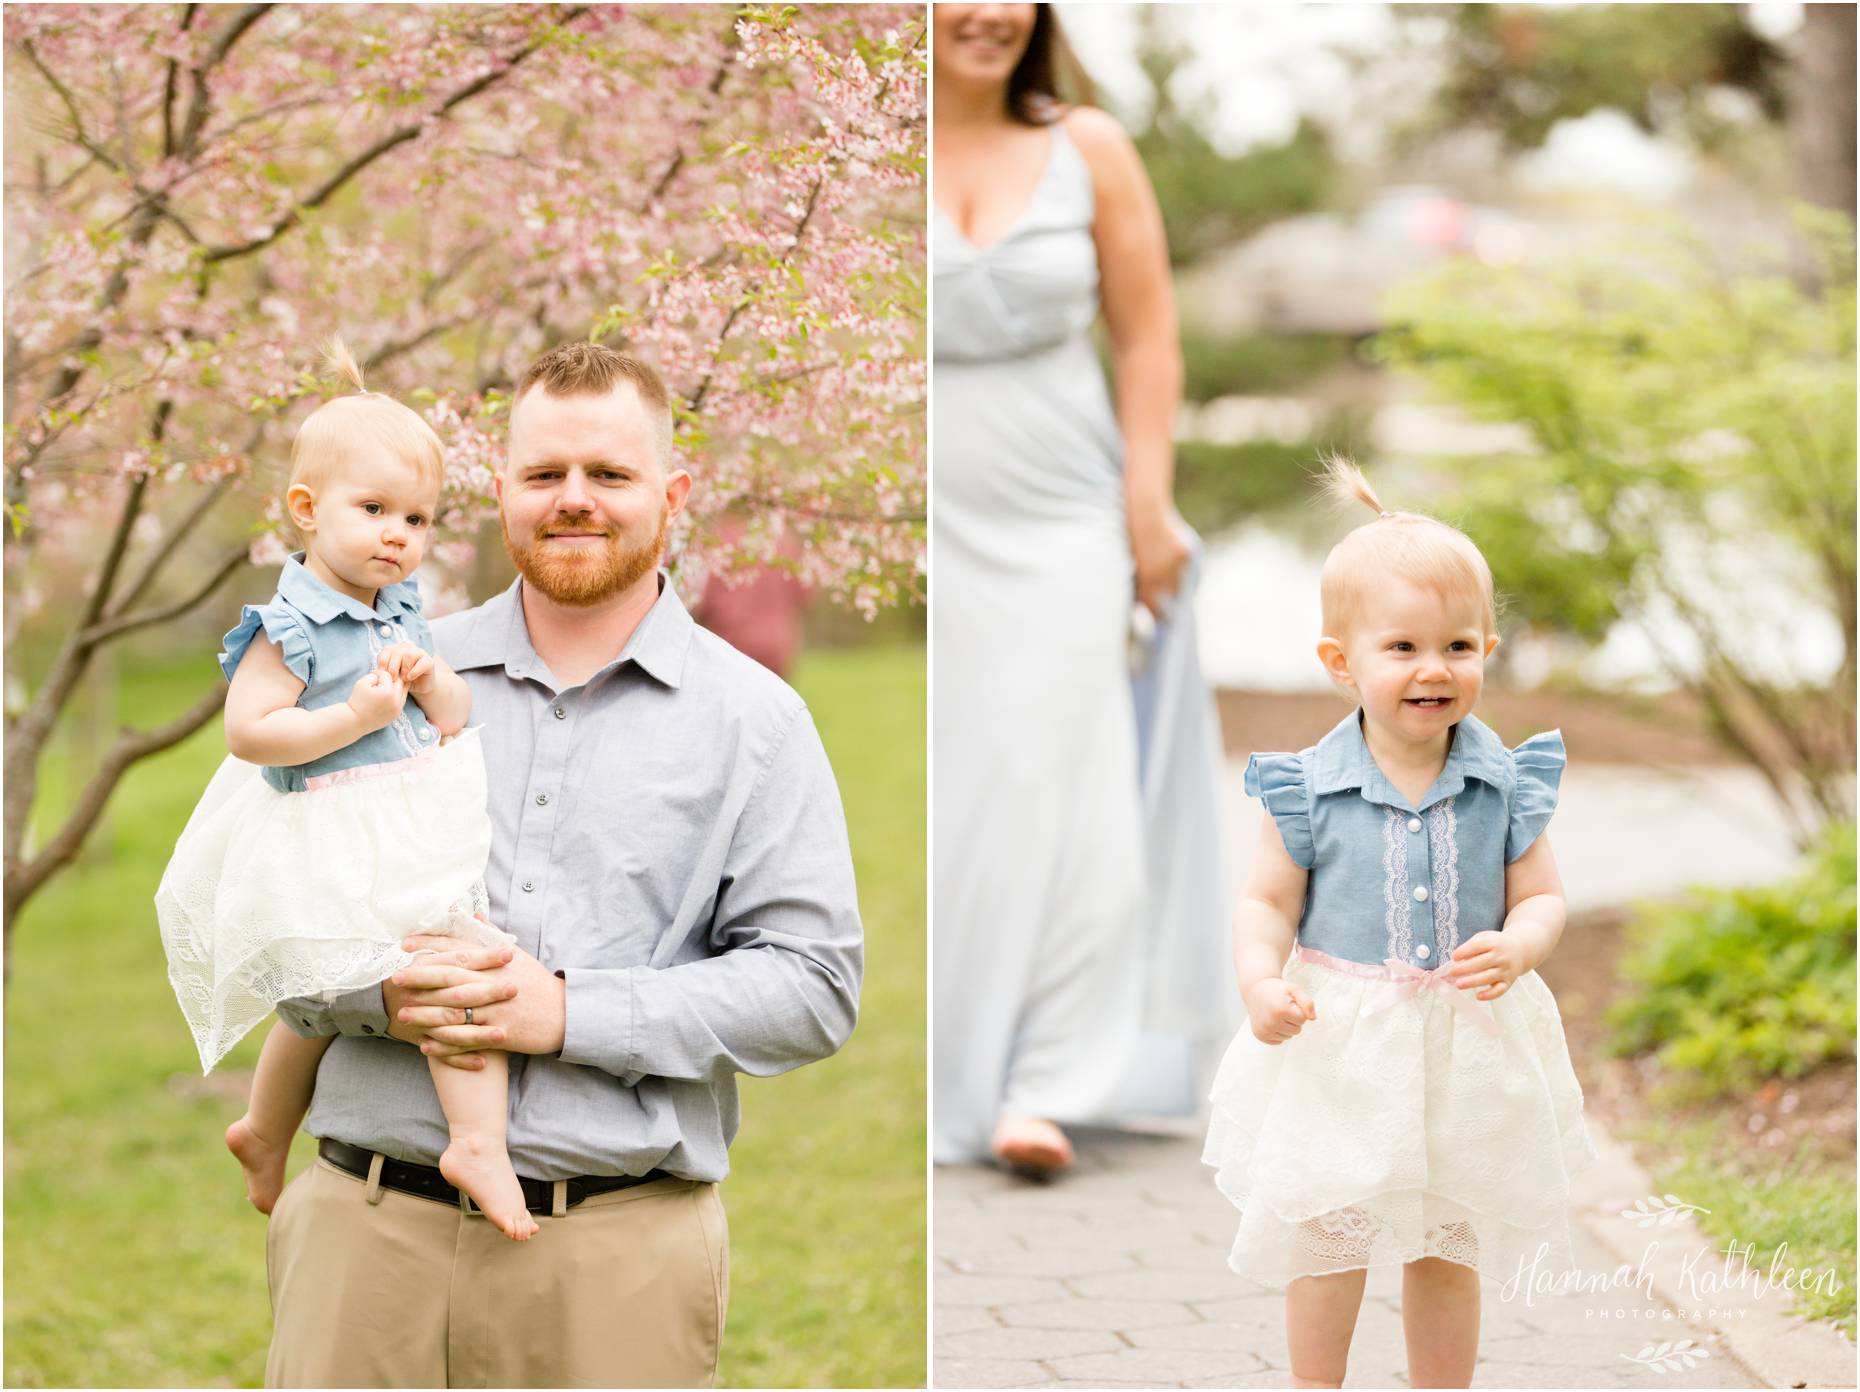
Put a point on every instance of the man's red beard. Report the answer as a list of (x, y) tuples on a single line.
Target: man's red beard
[(584, 575)]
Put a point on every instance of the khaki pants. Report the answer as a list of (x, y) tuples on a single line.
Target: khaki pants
[(374, 1288)]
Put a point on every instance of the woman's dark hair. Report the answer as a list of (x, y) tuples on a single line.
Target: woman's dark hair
[(1048, 77)]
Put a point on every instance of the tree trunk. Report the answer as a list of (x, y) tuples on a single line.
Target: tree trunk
[(1821, 107)]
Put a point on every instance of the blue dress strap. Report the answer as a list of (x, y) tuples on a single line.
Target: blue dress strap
[(282, 627), (1539, 762), (1278, 780)]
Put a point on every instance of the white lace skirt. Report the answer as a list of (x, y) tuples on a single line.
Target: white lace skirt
[(271, 896), (1399, 1124)]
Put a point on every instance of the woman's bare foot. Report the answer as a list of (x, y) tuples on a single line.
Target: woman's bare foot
[(484, 1172), (262, 1159), (1031, 1146)]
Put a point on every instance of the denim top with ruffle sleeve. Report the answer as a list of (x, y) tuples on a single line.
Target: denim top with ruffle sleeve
[(329, 641), (1390, 879)]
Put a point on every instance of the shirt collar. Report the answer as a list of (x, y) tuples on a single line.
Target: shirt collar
[(320, 603), (1343, 762), (501, 638)]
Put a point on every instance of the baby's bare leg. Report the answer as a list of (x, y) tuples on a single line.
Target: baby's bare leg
[(476, 1159), (281, 1088), (1440, 1316), (1320, 1317)]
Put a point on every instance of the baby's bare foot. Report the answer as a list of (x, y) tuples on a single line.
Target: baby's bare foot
[(263, 1162), (484, 1172)]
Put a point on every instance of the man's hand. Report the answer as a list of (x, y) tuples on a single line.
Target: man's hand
[(517, 1003)]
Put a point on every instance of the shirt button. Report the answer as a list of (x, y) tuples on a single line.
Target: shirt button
[(528, 885), (426, 732), (1423, 951), (560, 714), (1420, 894), (542, 799), (1414, 824), (386, 632)]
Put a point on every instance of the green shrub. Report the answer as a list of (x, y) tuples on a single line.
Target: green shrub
[(1746, 984), (1260, 364), (1219, 485)]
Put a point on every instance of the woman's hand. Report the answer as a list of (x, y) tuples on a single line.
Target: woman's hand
[(1490, 961), (1161, 551), (1277, 1009)]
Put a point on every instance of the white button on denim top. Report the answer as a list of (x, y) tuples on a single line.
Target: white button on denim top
[(329, 642), (1391, 879)]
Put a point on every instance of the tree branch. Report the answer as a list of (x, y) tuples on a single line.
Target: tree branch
[(335, 182), (117, 627), (78, 132), (800, 229), (22, 880), (678, 156), (176, 535), (201, 105), (167, 89), (26, 736)]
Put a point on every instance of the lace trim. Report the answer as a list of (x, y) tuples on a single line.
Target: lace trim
[(1399, 918), (1442, 823)]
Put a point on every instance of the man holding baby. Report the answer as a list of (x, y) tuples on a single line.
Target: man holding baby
[(670, 855)]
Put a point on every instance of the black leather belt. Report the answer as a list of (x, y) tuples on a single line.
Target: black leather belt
[(426, 1182)]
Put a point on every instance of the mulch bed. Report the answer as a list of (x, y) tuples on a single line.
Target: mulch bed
[(1817, 1108)]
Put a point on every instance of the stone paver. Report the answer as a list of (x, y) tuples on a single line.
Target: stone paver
[(1128, 1257)]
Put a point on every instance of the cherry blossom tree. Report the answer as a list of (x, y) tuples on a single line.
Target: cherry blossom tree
[(197, 195)]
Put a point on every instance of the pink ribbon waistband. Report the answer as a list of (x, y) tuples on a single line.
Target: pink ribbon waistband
[(1409, 981)]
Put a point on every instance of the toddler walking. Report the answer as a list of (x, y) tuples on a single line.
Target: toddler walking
[(364, 821), (1403, 1095)]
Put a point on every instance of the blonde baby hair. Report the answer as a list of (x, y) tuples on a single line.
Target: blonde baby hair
[(329, 433), (1420, 549)]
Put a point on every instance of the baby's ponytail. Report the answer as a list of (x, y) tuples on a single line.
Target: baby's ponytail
[(1347, 484), (339, 360)]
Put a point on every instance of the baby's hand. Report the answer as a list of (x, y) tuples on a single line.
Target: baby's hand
[(412, 665), (1278, 1010), (377, 700), (1487, 960)]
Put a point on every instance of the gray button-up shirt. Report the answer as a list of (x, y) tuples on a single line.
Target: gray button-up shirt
[(668, 838)]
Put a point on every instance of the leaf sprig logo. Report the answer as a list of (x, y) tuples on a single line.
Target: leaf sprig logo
[(1670, 1356), (1658, 1210)]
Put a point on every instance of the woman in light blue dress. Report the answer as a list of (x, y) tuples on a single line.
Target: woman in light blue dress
[(1080, 966)]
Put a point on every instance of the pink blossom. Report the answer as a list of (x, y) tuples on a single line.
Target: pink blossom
[(741, 202)]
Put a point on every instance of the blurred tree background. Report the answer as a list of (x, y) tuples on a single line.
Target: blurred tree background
[(1579, 278)]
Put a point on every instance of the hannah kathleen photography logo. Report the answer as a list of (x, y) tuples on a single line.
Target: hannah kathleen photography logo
[(1702, 1282)]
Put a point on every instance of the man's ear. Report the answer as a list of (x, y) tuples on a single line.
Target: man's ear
[(1336, 663), (300, 502), (677, 493), (497, 486)]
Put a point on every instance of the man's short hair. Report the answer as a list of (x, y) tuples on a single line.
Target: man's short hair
[(588, 369)]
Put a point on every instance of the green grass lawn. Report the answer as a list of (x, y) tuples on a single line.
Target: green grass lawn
[(132, 1258), (1797, 1205)]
